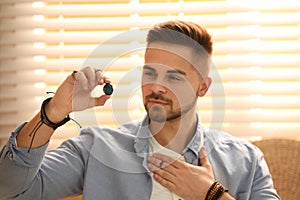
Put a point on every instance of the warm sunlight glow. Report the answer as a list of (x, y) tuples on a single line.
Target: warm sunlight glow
[(38, 4), (39, 58), (39, 31), (256, 86)]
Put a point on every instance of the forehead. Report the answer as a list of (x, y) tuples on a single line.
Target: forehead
[(170, 55)]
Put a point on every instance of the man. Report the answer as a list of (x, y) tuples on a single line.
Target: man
[(160, 157)]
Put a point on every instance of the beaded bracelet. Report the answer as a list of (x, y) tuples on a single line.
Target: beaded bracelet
[(215, 191)]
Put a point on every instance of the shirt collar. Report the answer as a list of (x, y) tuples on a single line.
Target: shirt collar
[(192, 149), (190, 153)]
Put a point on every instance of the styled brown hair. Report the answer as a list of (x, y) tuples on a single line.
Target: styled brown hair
[(183, 33)]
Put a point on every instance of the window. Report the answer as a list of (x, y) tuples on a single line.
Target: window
[(256, 91)]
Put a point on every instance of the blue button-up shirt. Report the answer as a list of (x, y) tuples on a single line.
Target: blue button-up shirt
[(111, 164)]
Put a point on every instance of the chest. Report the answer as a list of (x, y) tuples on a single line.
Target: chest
[(104, 182)]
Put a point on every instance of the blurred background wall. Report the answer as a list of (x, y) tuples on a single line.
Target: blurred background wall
[(256, 71)]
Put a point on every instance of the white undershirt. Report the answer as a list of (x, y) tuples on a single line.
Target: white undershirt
[(158, 191)]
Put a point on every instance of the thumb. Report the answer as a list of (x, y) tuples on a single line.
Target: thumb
[(204, 161), (100, 101)]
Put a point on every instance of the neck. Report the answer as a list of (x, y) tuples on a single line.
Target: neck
[(175, 134)]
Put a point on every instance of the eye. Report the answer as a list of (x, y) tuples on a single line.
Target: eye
[(173, 77), (149, 73)]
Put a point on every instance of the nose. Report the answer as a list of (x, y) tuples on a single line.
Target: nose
[(158, 88)]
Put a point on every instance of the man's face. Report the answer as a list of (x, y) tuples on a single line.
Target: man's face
[(170, 83)]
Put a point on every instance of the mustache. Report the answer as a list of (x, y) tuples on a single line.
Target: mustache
[(158, 97)]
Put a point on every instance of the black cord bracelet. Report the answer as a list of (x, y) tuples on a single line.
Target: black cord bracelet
[(46, 120)]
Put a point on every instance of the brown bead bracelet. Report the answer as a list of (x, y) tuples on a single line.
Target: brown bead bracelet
[(215, 191)]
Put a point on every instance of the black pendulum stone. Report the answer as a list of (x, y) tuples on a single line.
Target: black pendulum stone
[(108, 89)]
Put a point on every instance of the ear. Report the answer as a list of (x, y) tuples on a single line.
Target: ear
[(204, 86)]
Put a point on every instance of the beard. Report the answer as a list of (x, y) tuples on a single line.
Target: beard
[(159, 114)]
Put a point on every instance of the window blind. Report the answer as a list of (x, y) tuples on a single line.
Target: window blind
[(256, 72)]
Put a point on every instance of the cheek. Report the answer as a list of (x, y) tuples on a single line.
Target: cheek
[(146, 89), (183, 90), (180, 95), (183, 94), (182, 98)]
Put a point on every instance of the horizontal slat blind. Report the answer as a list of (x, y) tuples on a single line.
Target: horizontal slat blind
[(256, 91)]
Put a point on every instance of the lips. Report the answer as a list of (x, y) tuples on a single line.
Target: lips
[(153, 102), (157, 99)]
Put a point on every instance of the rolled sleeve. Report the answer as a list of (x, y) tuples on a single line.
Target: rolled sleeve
[(18, 167), (262, 187)]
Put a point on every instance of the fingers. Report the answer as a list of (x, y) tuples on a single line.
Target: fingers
[(167, 160), (156, 164), (204, 158), (88, 78), (84, 82), (159, 161), (100, 101), (165, 181), (90, 75), (164, 174), (81, 81), (164, 170), (100, 78), (93, 77)]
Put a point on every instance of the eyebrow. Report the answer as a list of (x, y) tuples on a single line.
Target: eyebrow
[(148, 67), (177, 71)]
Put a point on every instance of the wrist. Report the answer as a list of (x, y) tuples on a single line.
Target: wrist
[(216, 191), (54, 113), (45, 119), (227, 196)]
